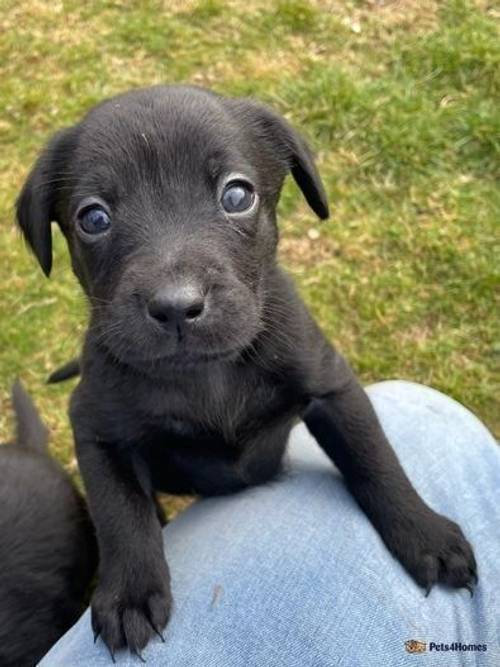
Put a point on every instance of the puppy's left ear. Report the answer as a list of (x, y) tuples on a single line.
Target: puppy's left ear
[(37, 204), (287, 145)]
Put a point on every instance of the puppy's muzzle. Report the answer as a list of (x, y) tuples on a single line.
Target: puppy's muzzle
[(177, 307)]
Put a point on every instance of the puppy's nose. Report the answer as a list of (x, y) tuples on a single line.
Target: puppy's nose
[(177, 306)]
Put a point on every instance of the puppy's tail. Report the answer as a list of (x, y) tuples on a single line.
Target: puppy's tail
[(69, 370), (31, 432)]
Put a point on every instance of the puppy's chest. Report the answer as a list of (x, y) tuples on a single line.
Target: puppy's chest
[(204, 403)]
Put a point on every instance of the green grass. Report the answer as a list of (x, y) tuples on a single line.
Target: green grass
[(401, 103)]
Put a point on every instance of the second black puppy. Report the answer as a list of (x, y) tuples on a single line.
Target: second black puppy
[(48, 552), (200, 356)]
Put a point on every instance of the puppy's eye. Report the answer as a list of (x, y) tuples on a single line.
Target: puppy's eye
[(94, 220), (237, 197)]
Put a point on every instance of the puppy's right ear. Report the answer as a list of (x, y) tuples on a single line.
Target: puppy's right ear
[(31, 432), (37, 205), (288, 146)]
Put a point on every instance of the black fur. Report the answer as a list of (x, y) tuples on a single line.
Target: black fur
[(66, 372), (205, 407), (48, 552)]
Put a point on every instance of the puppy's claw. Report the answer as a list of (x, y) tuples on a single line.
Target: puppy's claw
[(470, 588), (158, 632), (160, 635), (96, 635), (428, 590), (155, 627), (112, 654), (139, 655)]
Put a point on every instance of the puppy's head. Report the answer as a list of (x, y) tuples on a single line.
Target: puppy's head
[(167, 199)]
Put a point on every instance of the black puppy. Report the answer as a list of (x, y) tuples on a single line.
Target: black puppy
[(200, 356), (48, 552)]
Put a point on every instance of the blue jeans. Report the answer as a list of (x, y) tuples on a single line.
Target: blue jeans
[(292, 574)]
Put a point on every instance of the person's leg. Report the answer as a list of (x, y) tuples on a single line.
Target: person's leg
[(293, 574)]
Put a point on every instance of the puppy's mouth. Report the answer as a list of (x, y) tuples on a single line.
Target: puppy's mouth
[(173, 353), (187, 357), (136, 340)]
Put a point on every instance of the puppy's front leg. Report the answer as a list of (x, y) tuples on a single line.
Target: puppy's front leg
[(132, 599), (431, 547)]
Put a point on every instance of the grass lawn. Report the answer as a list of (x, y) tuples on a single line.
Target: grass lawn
[(401, 101)]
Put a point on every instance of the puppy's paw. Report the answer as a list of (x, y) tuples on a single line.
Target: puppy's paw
[(435, 550), (128, 610)]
